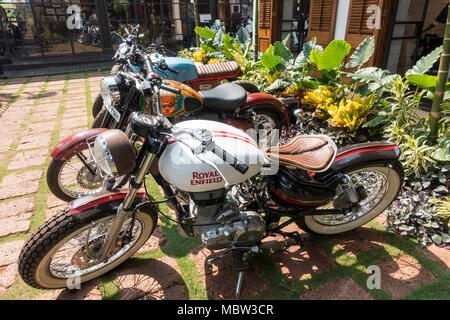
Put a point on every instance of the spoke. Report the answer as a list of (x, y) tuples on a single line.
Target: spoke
[(374, 183), (61, 263)]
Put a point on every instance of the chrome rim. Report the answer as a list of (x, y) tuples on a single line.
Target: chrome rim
[(267, 123), (375, 183), (76, 180), (72, 258)]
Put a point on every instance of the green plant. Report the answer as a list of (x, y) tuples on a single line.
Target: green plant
[(416, 212), (415, 154), (442, 206)]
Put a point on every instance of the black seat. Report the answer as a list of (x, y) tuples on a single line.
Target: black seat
[(225, 97)]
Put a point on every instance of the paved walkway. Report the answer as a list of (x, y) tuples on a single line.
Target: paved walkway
[(38, 112)]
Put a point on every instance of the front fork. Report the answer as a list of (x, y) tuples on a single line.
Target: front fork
[(125, 209)]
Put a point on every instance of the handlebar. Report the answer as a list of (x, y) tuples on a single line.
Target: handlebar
[(172, 70), (171, 89), (230, 159)]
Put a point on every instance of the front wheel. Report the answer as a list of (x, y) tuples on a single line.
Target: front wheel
[(382, 184), (64, 249), (71, 179), (103, 120), (97, 106)]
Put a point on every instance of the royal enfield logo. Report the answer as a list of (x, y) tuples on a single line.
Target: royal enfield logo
[(205, 178)]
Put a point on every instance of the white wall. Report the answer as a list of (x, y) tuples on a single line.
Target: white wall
[(341, 19)]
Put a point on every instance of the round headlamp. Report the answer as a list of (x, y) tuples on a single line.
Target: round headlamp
[(113, 153), (109, 90)]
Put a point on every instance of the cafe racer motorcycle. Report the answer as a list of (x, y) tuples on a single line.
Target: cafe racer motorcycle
[(224, 189)]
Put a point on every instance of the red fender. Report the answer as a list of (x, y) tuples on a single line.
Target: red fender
[(90, 205), (73, 144), (255, 100)]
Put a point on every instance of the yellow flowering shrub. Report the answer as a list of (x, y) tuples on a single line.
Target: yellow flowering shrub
[(321, 98), (272, 77), (351, 114), (342, 112), (200, 56), (214, 60)]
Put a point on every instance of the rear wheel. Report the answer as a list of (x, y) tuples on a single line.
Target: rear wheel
[(382, 185), (65, 250), (268, 121)]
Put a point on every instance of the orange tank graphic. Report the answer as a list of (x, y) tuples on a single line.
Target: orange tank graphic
[(173, 104)]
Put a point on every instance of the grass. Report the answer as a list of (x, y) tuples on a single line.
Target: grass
[(180, 248)]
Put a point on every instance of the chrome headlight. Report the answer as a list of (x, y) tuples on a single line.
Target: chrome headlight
[(113, 153), (109, 90)]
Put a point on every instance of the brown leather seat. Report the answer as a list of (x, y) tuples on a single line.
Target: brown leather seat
[(220, 69), (312, 153)]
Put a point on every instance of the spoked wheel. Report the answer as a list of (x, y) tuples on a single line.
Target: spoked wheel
[(71, 179), (65, 250), (381, 184), (97, 106), (268, 122), (103, 120)]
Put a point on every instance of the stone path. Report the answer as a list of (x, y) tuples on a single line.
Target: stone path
[(38, 112)]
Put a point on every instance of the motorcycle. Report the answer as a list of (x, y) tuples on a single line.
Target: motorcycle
[(70, 175), (224, 189), (89, 35), (196, 75)]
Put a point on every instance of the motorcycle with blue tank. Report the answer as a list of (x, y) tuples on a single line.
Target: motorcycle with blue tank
[(196, 75), (223, 187)]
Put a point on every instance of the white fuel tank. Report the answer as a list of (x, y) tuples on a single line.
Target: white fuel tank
[(181, 168)]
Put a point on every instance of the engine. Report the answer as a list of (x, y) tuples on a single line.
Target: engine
[(220, 223)]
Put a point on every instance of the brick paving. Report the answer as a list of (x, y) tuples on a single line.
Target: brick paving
[(38, 112)]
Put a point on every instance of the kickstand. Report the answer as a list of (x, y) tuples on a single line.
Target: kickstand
[(238, 260), (238, 253), (239, 285)]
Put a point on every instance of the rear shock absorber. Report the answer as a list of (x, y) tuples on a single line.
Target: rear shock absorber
[(346, 194)]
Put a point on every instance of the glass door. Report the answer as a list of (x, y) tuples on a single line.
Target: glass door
[(405, 35), (294, 21), (18, 34)]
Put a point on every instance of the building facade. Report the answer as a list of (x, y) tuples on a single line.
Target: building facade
[(397, 26), (45, 30)]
